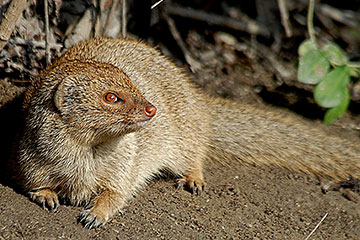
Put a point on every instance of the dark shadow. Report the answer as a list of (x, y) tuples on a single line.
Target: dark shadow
[(297, 100), (300, 101), (11, 122)]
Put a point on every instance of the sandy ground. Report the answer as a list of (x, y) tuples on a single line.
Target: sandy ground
[(240, 202)]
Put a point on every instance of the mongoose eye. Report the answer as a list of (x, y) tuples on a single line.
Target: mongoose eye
[(111, 98)]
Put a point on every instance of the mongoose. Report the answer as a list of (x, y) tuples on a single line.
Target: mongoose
[(110, 114)]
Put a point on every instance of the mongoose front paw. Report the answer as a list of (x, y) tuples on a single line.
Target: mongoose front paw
[(46, 198), (90, 219), (193, 184)]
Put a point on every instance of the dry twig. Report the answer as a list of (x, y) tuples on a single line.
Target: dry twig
[(285, 73), (47, 47), (123, 20), (9, 20), (213, 19), (155, 4), (37, 44), (285, 17), (193, 63), (316, 227), (344, 17), (109, 16), (348, 17)]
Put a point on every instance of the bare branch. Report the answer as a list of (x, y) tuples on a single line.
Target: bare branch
[(9, 20), (47, 47), (124, 20), (213, 19), (285, 17), (109, 16)]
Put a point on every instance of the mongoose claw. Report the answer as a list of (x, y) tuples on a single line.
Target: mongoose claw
[(46, 198), (90, 220), (191, 184)]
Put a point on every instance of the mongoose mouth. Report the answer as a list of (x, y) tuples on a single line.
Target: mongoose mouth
[(142, 123), (139, 124)]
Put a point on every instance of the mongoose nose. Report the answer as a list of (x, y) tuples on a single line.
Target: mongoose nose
[(150, 111)]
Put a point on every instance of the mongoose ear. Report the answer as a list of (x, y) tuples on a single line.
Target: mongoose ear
[(67, 93), (59, 97)]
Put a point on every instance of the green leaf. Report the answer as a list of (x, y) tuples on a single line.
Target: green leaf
[(306, 46), (331, 91), (354, 69), (313, 66), (335, 54), (333, 113), (355, 72)]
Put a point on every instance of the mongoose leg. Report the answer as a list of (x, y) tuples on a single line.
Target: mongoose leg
[(193, 181), (46, 198), (104, 206)]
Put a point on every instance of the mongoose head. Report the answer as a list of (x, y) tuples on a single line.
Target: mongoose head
[(98, 100)]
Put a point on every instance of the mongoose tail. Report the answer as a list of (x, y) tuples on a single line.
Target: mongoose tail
[(272, 137)]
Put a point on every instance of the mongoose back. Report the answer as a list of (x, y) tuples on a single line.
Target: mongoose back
[(110, 114)]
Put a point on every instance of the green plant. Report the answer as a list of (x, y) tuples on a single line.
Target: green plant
[(329, 68)]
